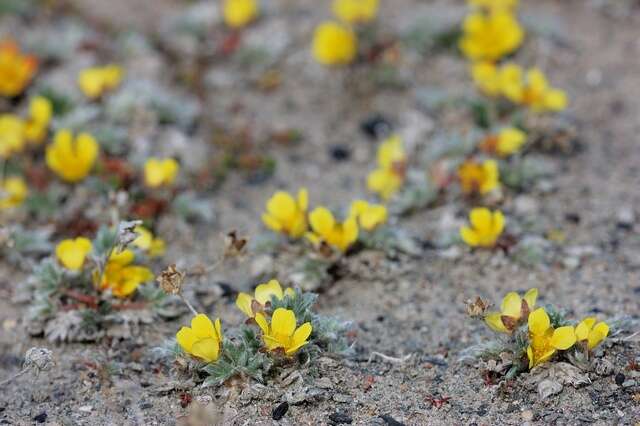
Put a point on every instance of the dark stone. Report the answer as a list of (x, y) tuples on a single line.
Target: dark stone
[(620, 379), (572, 217), (377, 126), (482, 410), (41, 418), (280, 411), (340, 152), (390, 421), (339, 418)]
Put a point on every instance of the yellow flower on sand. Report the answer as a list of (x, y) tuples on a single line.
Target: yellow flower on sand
[(239, 13), (494, 4), (71, 253), (490, 36), (154, 247), (121, 276), (387, 179), (369, 216), (326, 228), (485, 228), (355, 11), (506, 142), (160, 172), (334, 44), (40, 112), (70, 159), (16, 69), (203, 339), (531, 89), (96, 81), (590, 332), (486, 77), (476, 177), (11, 135), (513, 309), (544, 340), (282, 334), (286, 214), (13, 191), (262, 295)]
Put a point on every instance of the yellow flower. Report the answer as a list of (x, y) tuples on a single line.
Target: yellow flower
[(590, 332), (325, 228), (40, 112), (262, 296), (482, 178), (486, 77), (334, 44), (532, 89), (544, 340), (355, 11), (239, 13), (71, 253), (16, 69), (387, 179), (159, 172), (494, 4), (490, 36), (282, 333), (513, 309), (203, 339), (146, 241), (122, 277), (13, 191), (485, 228), (510, 140), (70, 159), (287, 215), (369, 216), (95, 81), (11, 135)]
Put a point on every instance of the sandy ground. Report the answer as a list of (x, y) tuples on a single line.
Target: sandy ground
[(400, 307)]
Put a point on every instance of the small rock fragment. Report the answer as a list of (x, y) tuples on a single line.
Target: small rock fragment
[(602, 367), (546, 388), (280, 411), (41, 418), (339, 418), (619, 379)]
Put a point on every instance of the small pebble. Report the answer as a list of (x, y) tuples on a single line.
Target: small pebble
[(527, 415), (339, 418), (85, 408), (376, 126), (341, 397), (280, 411), (41, 418), (340, 153), (620, 379)]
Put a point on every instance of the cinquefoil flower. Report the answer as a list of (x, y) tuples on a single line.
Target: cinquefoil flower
[(203, 339), (13, 191), (531, 89), (70, 159), (71, 253), (590, 332), (239, 13), (326, 228), (11, 135), (262, 295), (96, 81), (544, 340), (282, 333), (485, 228), (154, 247), (387, 179), (355, 11), (36, 126), (121, 276), (508, 141), (160, 172), (369, 215), (287, 215), (490, 36), (513, 309), (334, 44), (16, 69), (479, 178)]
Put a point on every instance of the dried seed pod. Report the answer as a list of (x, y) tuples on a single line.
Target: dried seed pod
[(171, 280), (234, 245)]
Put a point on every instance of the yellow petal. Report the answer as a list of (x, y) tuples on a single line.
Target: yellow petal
[(303, 199), (530, 297), (262, 323), (511, 305), (530, 356), (597, 335), (301, 334), (206, 349), (563, 338), (244, 302), (271, 222), (494, 321), (264, 292), (218, 327), (582, 331), (481, 219), (539, 322), (202, 326), (186, 338), (469, 236), (283, 322), (322, 221), (290, 292)]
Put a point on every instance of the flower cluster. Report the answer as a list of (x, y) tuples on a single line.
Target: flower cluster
[(16, 69), (336, 43), (288, 216), (16, 132), (285, 324), (536, 335)]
